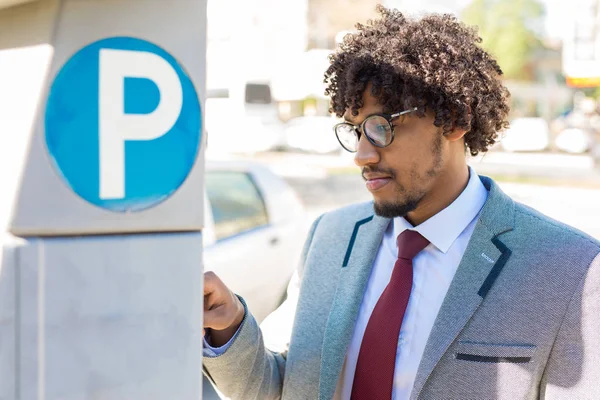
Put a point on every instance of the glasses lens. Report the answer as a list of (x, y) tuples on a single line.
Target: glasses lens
[(378, 129), (347, 137)]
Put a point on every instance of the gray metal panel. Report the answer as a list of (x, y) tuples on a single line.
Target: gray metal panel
[(45, 205), (113, 317), (8, 319), (28, 24)]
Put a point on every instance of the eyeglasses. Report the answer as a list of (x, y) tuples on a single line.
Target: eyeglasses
[(377, 128)]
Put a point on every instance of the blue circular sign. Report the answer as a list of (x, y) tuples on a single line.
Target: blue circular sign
[(123, 124)]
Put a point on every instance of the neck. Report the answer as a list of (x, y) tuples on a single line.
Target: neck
[(450, 185)]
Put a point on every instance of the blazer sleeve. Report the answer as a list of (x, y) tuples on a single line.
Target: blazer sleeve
[(247, 369), (573, 369)]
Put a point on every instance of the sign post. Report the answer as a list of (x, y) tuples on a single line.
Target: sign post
[(101, 165)]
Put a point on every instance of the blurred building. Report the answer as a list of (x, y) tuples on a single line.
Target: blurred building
[(246, 41), (326, 18), (545, 94), (581, 45), (427, 6)]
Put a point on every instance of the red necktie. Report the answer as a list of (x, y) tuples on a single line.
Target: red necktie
[(374, 376)]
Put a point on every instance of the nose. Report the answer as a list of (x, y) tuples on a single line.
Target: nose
[(366, 153)]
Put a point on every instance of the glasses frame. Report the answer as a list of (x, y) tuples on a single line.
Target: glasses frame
[(359, 129)]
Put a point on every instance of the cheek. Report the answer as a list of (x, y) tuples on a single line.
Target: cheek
[(427, 152), (416, 170), (409, 158), (413, 142), (412, 153)]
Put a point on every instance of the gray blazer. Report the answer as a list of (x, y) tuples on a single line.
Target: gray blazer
[(521, 319)]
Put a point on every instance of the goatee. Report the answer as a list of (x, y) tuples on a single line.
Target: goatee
[(394, 210)]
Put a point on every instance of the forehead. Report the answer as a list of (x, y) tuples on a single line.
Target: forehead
[(370, 106)]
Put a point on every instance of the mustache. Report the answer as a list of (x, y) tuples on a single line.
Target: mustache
[(376, 170)]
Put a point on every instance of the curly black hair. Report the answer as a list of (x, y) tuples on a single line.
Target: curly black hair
[(432, 63)]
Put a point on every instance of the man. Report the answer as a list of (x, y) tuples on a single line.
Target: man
[(442, 287)]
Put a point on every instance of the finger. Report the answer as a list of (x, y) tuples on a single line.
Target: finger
[(211, 282), (213, 300)]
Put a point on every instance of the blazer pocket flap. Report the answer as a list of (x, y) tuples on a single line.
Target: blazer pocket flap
[(492, 352)]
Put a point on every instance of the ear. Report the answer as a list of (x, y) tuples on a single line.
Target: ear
[(458, 133)]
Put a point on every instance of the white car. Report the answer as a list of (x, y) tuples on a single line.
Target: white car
[(254, 230), (574, 140), (526, 134)]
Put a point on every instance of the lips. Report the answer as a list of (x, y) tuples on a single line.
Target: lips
[(377, 178), (374, 184)]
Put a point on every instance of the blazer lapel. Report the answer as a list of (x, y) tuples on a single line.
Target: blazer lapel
[(481, 264), (354, 275)]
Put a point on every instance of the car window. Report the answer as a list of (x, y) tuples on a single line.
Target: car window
[(237, 204), (257, 93)]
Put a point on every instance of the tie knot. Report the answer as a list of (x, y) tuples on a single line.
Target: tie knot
[(410, 243)]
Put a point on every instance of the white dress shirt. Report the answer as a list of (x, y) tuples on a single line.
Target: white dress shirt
[(448, 232)]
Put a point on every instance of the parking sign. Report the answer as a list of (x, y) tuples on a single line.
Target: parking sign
[(123, 124)]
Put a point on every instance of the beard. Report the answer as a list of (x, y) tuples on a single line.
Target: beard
[(394, 210)]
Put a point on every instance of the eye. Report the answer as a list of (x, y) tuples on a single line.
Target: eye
[(378, 129)]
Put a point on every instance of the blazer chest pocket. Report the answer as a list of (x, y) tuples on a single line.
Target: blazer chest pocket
[(494, 353)]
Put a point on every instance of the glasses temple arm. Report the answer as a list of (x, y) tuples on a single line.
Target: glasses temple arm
[(394, 116)]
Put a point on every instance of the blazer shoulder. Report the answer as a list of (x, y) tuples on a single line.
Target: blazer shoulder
[(349, 214), (546, 227)]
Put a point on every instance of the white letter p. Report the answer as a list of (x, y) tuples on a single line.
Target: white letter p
[(116, 127)]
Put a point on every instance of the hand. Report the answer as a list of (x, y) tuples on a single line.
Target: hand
[(223, 311)]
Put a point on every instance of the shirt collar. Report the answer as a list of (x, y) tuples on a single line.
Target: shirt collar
[(446, 226)]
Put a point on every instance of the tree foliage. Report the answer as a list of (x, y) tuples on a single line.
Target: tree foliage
[(510, 30)]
